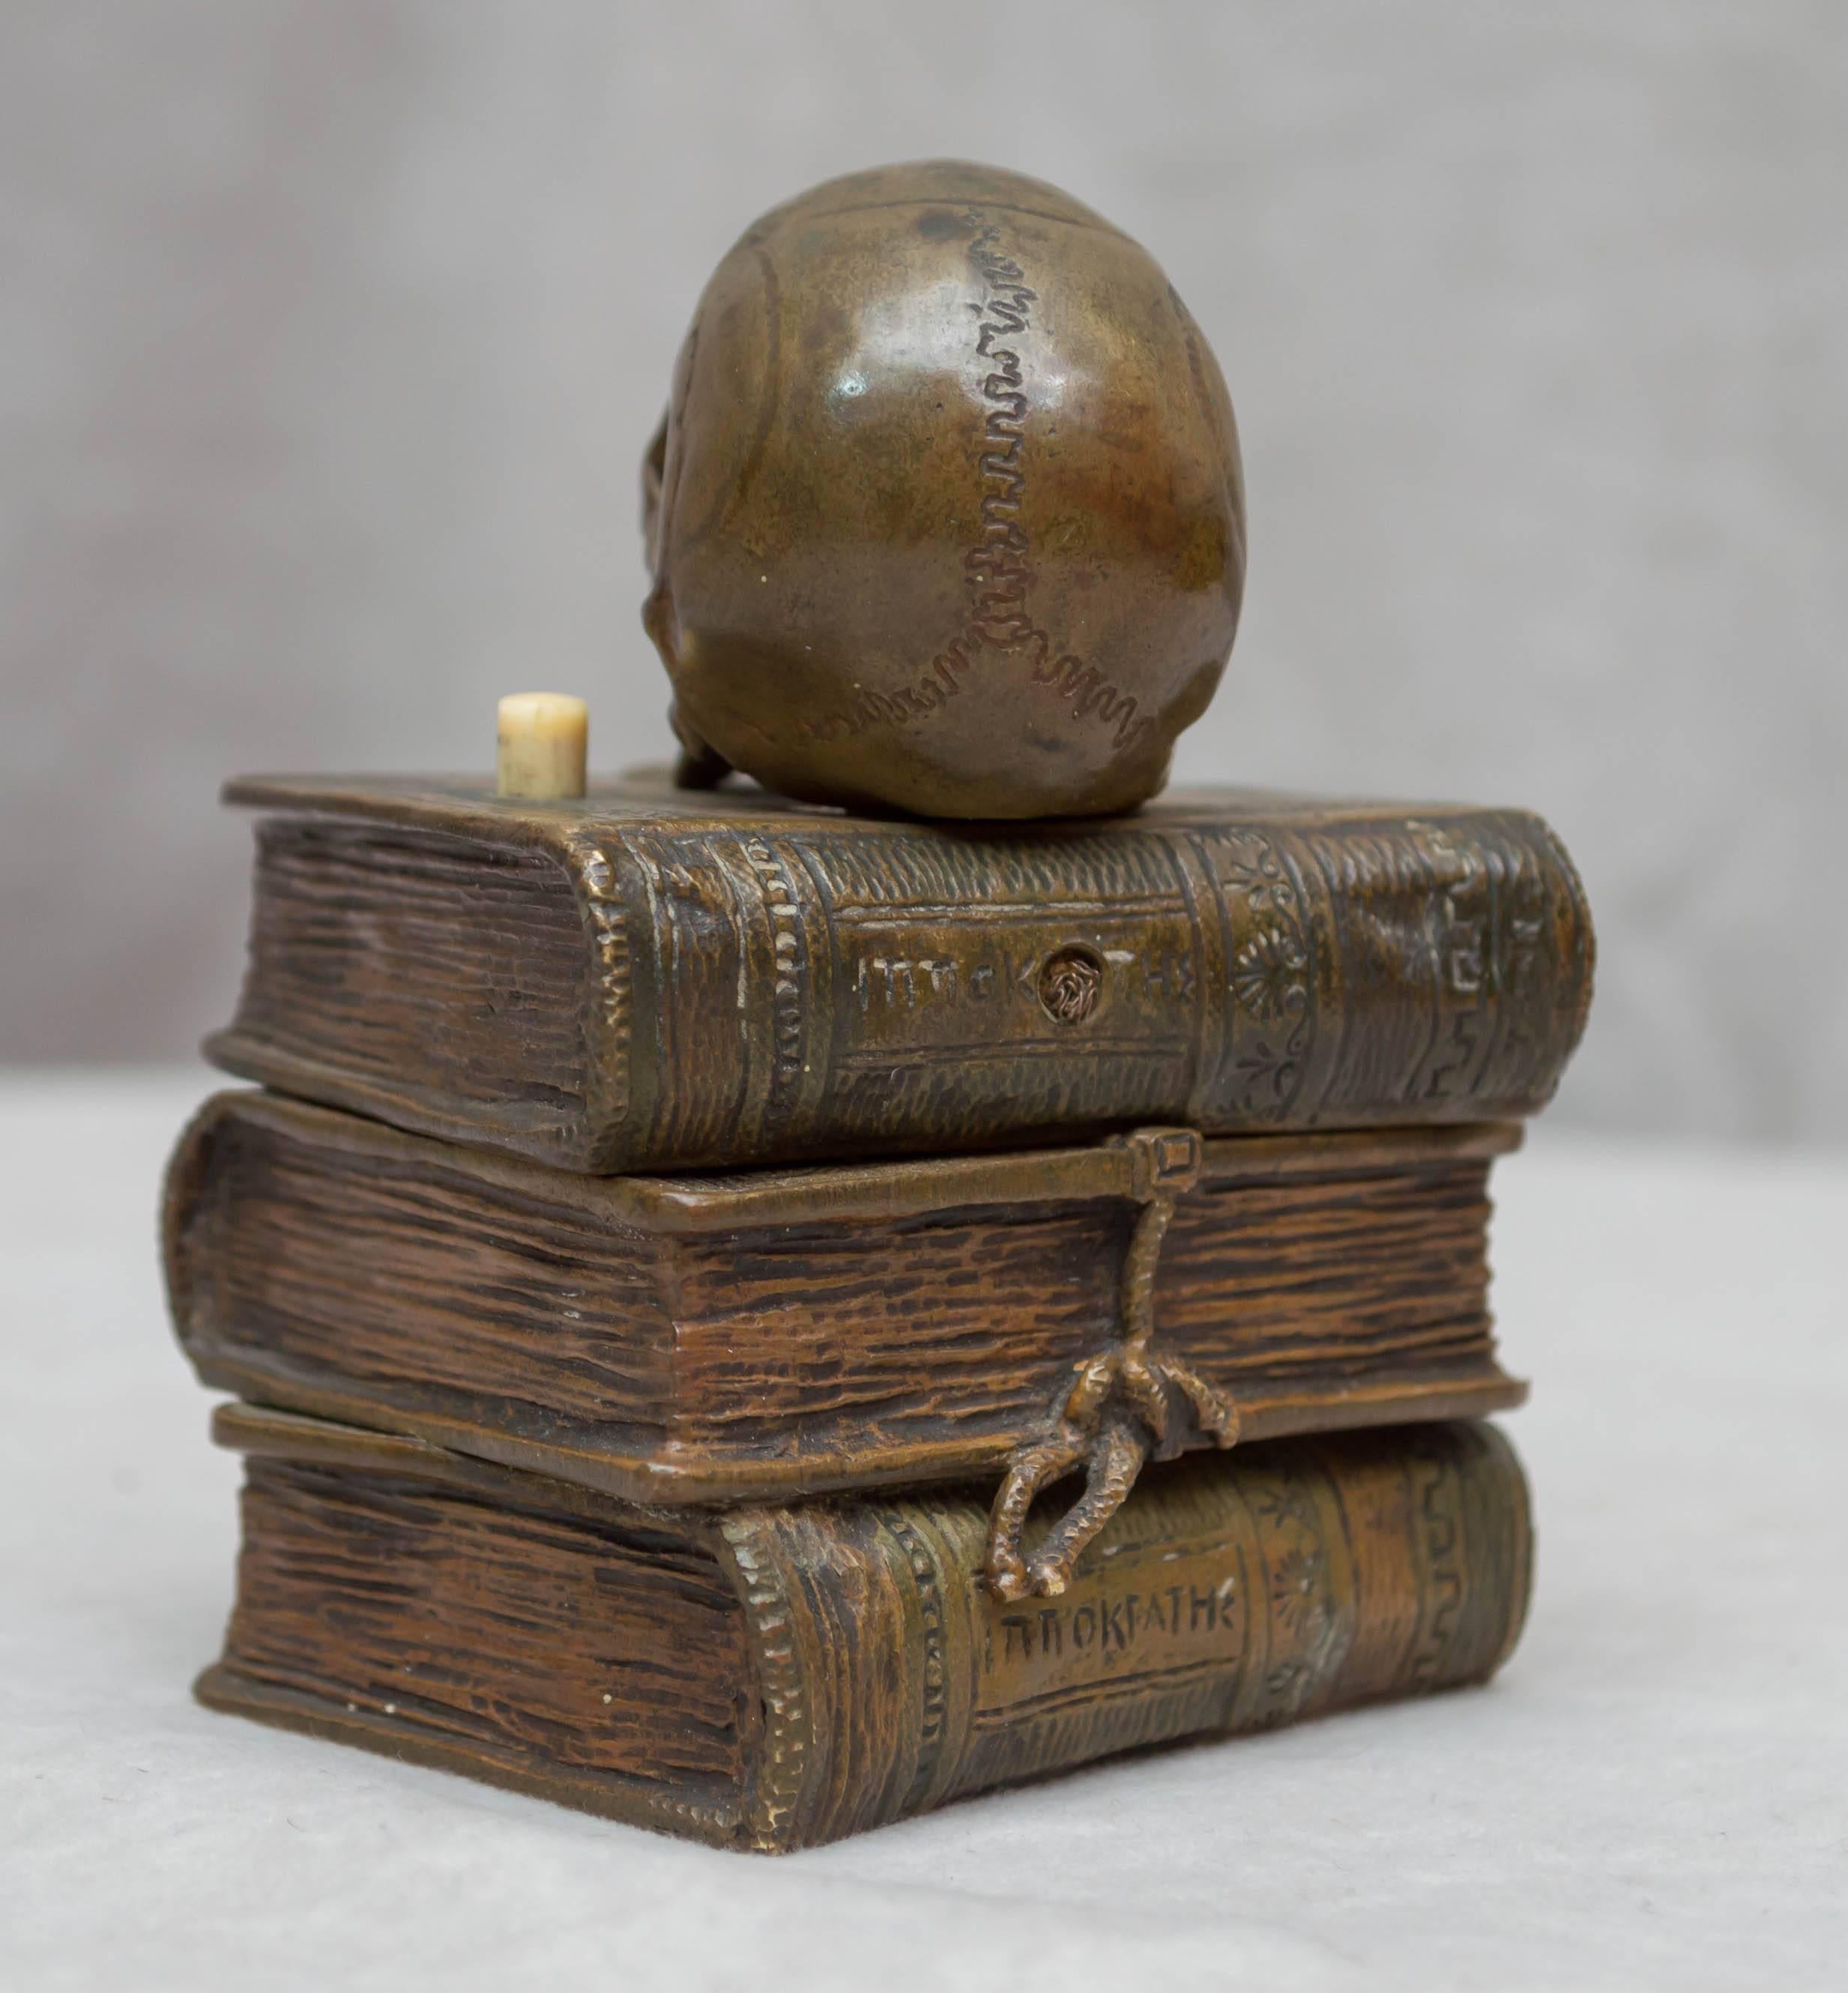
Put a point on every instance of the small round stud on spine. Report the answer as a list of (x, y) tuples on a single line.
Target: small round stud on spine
[(540, 743)]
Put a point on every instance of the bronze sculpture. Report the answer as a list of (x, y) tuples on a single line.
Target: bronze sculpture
[(681, 1237), (946, 515)]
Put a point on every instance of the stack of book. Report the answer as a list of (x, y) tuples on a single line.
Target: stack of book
[(759, 1322)]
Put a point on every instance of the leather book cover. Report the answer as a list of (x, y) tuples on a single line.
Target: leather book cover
[(698, 1338), (649, 979), (772, 1677)]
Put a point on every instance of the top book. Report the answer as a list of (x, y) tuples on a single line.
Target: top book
[(648, 980)]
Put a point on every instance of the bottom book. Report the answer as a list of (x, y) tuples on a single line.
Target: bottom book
[(773, 1677)]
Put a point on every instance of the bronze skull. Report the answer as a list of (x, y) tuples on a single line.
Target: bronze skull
[(946, 514)]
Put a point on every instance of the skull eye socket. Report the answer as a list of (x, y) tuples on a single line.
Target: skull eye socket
[(1071, 982)]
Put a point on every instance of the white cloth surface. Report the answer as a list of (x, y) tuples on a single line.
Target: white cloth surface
[(1653, 1793)]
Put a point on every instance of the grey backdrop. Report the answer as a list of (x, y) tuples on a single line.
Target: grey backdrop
[(331, 331)]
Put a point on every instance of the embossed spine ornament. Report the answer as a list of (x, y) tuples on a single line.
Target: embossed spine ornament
[(946, 514)]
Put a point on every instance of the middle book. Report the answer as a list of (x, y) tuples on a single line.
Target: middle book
[(722, 1338)]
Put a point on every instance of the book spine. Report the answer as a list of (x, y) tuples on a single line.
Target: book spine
[(1225, 1597), (618, 1087), (813, 992)]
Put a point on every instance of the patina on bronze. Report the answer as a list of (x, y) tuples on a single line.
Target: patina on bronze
[(946, 514), (779, 1675)]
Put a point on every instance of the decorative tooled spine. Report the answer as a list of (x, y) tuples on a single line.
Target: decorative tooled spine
[(774, 1815), (609, 1002)]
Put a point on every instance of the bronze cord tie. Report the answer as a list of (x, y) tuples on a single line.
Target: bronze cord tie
[(1117, 1413)]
